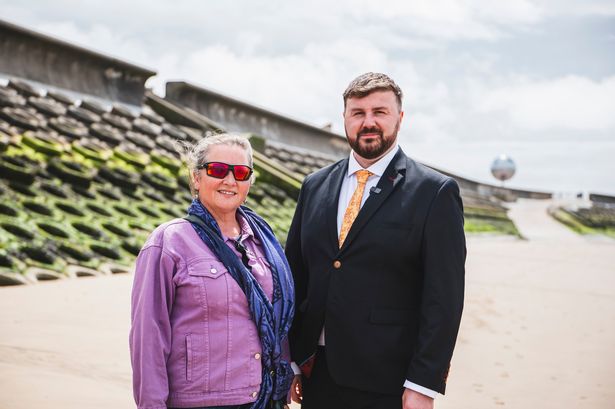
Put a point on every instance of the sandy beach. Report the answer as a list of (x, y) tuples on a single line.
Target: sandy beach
[(538, 329)]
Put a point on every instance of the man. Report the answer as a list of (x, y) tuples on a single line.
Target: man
[(377, 251)]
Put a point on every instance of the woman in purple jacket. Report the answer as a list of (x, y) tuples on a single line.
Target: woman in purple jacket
[(212, 299)]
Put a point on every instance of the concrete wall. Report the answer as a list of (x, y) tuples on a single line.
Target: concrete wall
[(606, 199), (30, 55), (238, 116), (504, 193)]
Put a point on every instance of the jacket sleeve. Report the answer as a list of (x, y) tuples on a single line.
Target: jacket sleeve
[(150, 333), (295, 260), (443, 254)]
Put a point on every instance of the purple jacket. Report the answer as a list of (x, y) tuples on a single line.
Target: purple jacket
[(192, 341)]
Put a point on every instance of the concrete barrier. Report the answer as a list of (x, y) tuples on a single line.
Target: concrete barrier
[(239, 116), (31, 55)]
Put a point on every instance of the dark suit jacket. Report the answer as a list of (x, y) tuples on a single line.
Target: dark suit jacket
[(391, 298)]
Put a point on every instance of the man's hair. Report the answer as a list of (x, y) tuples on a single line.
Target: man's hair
[(369, 82)]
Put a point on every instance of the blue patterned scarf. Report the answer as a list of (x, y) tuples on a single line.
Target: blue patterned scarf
[(273, 319)]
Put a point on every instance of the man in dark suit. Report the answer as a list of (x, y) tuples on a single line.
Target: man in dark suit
[(377, 250)]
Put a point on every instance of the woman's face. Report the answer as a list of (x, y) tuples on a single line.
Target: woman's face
[(222, 196)]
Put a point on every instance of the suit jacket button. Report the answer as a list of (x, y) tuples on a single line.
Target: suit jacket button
[(337, 264), (254, 394)]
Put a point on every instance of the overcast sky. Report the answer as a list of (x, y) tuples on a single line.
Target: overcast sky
[(531, 78)]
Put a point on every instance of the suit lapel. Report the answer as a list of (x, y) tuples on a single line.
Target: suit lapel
[(331, 192), (391, 177)]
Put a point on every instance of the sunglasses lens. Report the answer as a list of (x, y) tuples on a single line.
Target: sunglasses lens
[(217, 170), (241, 172)]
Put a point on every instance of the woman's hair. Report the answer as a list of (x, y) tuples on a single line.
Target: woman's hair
[(196, 154)]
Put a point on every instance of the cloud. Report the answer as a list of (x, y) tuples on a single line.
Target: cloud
[(304, 71), (451, 20), (284, 24), (570, 102), (475, 73), (307, 84), (578, 8), (102, 39)]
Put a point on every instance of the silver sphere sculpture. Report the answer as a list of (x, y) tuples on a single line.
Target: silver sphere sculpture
[(503, 168)]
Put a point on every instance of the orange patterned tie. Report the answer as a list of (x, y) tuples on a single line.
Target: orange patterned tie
[(355, 204)]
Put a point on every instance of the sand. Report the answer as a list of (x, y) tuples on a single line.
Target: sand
[(538, 329)]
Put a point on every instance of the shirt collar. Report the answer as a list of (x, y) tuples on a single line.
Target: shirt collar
[(377, 168), (246, 231)]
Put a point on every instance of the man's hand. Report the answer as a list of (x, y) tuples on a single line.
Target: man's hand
[(414, 400), (296, 393)]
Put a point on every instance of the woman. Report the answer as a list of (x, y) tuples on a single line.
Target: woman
[(212, 298)]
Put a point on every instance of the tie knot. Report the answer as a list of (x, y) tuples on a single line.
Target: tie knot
[(363, 175)]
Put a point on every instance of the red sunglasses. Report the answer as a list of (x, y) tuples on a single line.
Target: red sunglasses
[(219, 170)]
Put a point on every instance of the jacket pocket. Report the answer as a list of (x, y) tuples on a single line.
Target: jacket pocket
[(389, 316), (189, 357), (206, 267), (212, 286), (189, 370)]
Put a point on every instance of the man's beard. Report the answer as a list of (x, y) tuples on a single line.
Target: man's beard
[(376, 148)]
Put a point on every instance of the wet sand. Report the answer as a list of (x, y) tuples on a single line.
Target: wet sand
[(538, 329)]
